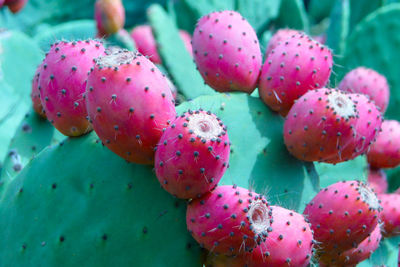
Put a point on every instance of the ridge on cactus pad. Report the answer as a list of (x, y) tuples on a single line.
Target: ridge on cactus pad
[(94, 203)]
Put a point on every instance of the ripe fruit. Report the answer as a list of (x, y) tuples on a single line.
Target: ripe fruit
[(343, 214), (129, 104), (15, 5), (369, 82), (110, 17), (280, 36), (377, 180), (192, 155), (227, 52), (35, 94), (320, 125), (294, 67), (385, 152), (62, 84), (230, 220), (390, 215)]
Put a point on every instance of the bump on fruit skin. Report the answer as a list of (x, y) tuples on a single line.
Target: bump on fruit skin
[(377, 180), (229, 220), (342, 214), (354, 255), (390, 215), (146, 44), (280, 36), (129, 104), (290, 243), (192, 154), (35, 94), (110, 17), (62, 84), (369, 82), (385, 152), (294, 67), (320, 125), (227, 52)]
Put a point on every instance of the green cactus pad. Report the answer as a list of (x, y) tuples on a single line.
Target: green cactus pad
[(73, 30), (339, 26), (203, 7), (259, 159), (258, 12), (33, 134), (374, 43), (361, 9), (78, 204), (292, 14), (319, 10), (175, 57), (122, 39)]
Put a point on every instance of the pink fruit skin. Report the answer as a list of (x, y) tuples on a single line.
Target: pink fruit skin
[(227, 52), (192, 155), (15, 5), (110, 17), (35, 94), (367, 127), (294, 67), (222, 221), (313, 132), (343, 214), (62, 84), (290, 243), (129, 104), (377, 180), (280, 36), (369, 82), (385, 152), (390, 215), (2, 3), (351, 257), (146, 44)]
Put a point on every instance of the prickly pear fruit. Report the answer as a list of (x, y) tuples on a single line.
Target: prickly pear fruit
[(353, 256), (280, 36), (62, 84), (129, 104), (227, 52), (369, 82), (343, 214), (320, 125), (390, 215), (146, 44), (294, 67), (377, 180), (35, 94), (230, 220), (220, 260), (110, 17), (192, 155), (2, 3), (367, 127), (385, 152), (15, 5), (289, 243)]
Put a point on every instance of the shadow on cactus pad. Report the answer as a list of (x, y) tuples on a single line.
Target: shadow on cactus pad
[(78, 204)]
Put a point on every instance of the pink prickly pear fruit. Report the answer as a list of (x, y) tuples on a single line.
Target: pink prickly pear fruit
[(62, 84), (146, 44), (110, 17), (368, 82), (367, 127), (390, 215), (129, 104), (294, 67), (290, 243), (220, 260), (280, 36), (354, 255), (15, 5), (385, 152), (320, 125), (377, 180), (343, 214), (35, 94), (2, 3), (192, 155), (227, 52), (229, 220)]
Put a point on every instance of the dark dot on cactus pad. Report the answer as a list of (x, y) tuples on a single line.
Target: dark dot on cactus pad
[(145, 230), (62, 238), (188, 246), (104, 237), (54, 186), (43, 243), (176, 204), (129, 186), (17, 167), (91, 186), (26, 128)]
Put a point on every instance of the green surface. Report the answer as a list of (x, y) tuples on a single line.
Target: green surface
[(292, 14), (78, 204), (259, 159), (319, 10)]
